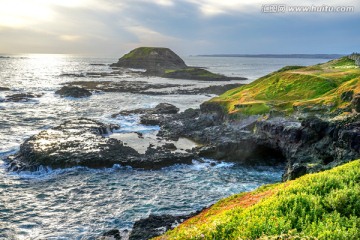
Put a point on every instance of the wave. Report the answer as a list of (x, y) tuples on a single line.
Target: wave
[(45, 172)]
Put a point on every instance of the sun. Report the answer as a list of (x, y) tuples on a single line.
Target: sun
[(21, 13)]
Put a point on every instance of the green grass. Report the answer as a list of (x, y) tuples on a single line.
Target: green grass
[(139, 52), (295, 88), (316, 206), (193, 73)]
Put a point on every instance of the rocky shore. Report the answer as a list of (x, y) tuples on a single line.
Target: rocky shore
[(265, 123)]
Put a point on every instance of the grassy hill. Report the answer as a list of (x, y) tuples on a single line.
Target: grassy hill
[(316, 206), (322, 88)]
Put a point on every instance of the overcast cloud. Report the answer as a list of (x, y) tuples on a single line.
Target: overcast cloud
[(110, 27)]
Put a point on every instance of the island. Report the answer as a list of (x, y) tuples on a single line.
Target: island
[(163, 62)]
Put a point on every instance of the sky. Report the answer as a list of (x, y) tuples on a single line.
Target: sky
[(189, 27)]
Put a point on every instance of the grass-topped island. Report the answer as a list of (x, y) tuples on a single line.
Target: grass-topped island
[(163, 62)]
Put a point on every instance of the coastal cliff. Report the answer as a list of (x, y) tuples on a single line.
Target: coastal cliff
[(307, 117)]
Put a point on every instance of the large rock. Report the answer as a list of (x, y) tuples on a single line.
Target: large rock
[(161, 108), (85, 142), (153, 59), (4, 89), (73, 91), (78, 142), (155, 225)]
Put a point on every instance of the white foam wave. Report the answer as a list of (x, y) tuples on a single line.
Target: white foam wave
[(45, 172)]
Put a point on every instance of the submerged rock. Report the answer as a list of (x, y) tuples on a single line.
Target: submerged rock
[(4, 89), (73, 91), (21, 97)]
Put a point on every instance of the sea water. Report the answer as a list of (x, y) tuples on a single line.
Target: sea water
[(82, 203)]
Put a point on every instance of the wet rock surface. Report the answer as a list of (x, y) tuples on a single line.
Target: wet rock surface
[(4, 89), (85, 142), (142, 87), (21, 97), (121, 86), (161, 108), (308, 145), (73, 91), (113, 234), (156, 225)]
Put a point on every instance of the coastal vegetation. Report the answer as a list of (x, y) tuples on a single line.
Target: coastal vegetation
[(324, 205), (322, 88)]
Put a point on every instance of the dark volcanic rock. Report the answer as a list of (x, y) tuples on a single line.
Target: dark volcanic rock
[(356, 103), (161, 108), (306, 146), (21, 97), (165, 108), (155, 225), (142, 87), (4, 89), (73, 91), (347, 96), (113, 234), (84, 142), (122, 86), (153, 59), (73, 143)]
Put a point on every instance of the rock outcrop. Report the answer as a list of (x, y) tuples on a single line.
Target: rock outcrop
[(155, 225), (21, 97), (161, 108), (73, 91), (305, 146), (4, 89), (153, 59), (86, 142)]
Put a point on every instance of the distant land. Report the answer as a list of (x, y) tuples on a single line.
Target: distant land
[(321, 56)]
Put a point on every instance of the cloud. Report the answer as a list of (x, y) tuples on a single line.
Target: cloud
[(187, 26)]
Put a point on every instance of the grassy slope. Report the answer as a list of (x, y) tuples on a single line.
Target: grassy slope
[(295, 88), (316, 206), (140, 52)]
